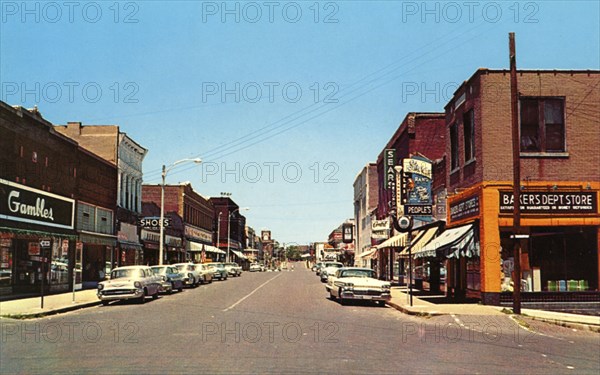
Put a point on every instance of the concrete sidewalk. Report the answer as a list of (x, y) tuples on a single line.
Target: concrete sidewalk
[(53, 304), (421, 307)]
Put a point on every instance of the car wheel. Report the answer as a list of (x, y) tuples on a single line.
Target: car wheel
[(331, 296), (381, 303), (171, 288), (180, 289), (342, 301), (142, 298), (105, 303), (155, 295), (210, 281)]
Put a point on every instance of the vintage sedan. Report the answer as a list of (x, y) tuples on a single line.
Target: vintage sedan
[(206, 273), (171, 278), (350, 283), (218, 269), (191, 275), (233, 269), (329, 268), (131, 282)]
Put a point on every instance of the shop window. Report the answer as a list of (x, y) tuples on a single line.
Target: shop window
[(453, 147), (542, 125), (469, 135)]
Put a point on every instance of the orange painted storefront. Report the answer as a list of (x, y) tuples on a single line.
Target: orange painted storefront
[(490, 222)]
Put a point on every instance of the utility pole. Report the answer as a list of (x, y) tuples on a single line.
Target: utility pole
[(516, 149)]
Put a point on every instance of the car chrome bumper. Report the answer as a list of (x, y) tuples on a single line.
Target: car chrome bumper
[(347, 294), (118, 294)]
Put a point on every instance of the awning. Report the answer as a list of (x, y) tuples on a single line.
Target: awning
[(307, 255), (195, 246), (421, 239), (368, 253), (398, 240), (450, 243), (239, 254)]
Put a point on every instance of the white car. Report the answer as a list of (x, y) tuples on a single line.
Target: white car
[(131, 282), (233, 269), (357, 283), (191, 275), (329, 268)]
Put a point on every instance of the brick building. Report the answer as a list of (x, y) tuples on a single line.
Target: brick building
[(559, 115), (365, 206), (58, 204), (197, 213), (230, 227), (127, 155), (37, 165), (418, 134)]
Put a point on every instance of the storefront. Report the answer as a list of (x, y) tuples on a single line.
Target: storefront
[(37, 240), (559, 248), (129, 249)]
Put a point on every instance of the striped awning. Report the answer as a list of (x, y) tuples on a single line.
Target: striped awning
[(239, 254), (453, 242), (421, 239), (398, 240), (368, 253), (195, 246)]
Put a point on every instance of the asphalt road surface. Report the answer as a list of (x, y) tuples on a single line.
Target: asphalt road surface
[(284, 323)]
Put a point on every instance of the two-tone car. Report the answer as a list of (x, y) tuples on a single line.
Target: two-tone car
[(354, 283), (171, 278), (191, 275), (233, 269), (206, 273), (219, 271), (329, 268), (130, 282)]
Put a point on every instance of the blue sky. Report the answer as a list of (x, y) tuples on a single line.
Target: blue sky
[(284, 101)]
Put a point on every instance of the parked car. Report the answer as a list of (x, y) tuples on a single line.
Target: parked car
[(349, 283), (219, 271), (329, 268), (233, 269), (206, 273), (130, 282), (255, 267), (171, 278), (318, 268), (191, 275)]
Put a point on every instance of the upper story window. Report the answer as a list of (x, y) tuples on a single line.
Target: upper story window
[(542, 125), (453, 147), (469, 135)]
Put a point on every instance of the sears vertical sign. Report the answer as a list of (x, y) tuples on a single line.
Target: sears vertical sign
[(389, 162)]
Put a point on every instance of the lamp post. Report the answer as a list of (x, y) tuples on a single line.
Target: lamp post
[(166, 170), (229, 227)]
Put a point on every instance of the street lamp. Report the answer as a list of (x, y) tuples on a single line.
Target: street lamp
[(229, 227), (166, 170)]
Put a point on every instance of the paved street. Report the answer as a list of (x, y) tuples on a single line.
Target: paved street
[(274, 323)]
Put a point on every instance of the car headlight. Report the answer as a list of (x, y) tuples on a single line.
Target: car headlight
[(386, 286), (100, 286), (137, 284)]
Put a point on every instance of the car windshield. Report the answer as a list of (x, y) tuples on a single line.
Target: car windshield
[(125, 273), (158, 270), (357, 273)]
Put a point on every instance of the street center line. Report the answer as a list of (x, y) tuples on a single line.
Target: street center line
[(251, 293)]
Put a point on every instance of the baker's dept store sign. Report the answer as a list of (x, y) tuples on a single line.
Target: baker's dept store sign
[(24, 204), (574, 202)]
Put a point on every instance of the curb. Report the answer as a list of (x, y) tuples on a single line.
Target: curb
[(413, 312), (567, 324), (55, 311)]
